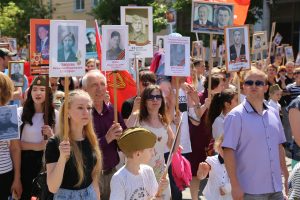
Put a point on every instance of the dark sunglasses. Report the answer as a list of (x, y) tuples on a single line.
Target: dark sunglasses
[(153, 97), (257, 83), (296, 73)]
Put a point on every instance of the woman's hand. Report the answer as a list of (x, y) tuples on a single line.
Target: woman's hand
[(47, 131), (64, 149)]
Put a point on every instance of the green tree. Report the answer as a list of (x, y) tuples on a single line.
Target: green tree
[(18, 14)]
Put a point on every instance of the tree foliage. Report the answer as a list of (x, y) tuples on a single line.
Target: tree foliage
[(15, 16)]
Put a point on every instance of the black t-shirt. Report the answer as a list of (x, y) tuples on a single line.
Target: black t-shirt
[(127, 107), (70, 177)]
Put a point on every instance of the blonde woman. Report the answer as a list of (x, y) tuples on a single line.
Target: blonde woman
[(73, 165)]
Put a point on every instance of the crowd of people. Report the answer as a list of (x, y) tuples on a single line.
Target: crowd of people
[(236, 143)]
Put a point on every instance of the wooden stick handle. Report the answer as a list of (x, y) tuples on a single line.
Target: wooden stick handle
[(115, 96), (210, 66), (66, 109)]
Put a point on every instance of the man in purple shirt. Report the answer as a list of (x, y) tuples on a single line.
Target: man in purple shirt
[(253, 138), (94, 82)]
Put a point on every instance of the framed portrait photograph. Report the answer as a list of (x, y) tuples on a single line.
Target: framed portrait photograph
[(160, 42), (214, 48), (115, 47), (221, 51), (140, 30), (90, 43), (198, 50), (259, 41), (277, 39), (67, 52), (39, 46), (16, 72), (12, 44), (210, 17), (297, 62), (237, 48), (289, 54), (279, 51), (9, 123), (177, 56), (171, 16)]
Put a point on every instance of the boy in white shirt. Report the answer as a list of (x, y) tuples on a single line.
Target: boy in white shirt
[(135, 180)]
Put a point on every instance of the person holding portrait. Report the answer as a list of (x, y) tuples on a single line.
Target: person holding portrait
[(223, 14), (202, 20), (66, 52), (136, 30), (237, 50)]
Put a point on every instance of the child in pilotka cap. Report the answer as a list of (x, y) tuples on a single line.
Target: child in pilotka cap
[(135, 180)]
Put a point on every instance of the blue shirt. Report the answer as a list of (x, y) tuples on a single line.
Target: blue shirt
[(255, 140)]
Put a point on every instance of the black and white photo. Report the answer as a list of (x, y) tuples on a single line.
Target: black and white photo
[(16, 72), (9, 128)]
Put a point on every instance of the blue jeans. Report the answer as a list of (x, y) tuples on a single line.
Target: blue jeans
[(88, 193), (268, 196)]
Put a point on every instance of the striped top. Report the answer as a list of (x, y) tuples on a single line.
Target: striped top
[(294, 183), (5, 159), (293, 89)]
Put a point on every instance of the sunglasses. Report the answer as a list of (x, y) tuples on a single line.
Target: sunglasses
[(257, 83), (154, 97), (296, 73)]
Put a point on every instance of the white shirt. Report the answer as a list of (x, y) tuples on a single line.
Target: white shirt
[(218, 126), (127, 186), (33, 134), (217, 177), (275, 105)]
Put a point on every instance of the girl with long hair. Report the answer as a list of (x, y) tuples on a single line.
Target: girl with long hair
[(74, 165), (220, 105), (152, 116), (33, 131)]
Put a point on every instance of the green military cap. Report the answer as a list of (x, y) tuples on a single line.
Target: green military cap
[(40, 81), (135, 139), (274, 88)]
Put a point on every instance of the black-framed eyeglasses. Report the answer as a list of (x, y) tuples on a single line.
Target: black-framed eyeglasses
[(154, 97), (257, 83)]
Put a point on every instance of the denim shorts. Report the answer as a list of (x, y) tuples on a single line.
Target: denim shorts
[(88, 193)]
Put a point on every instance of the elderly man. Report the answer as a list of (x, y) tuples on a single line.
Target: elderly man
[(254, 158), (203, 16), (94, 82)]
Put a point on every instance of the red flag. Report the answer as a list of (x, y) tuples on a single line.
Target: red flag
[(126, 87), (98, 43)]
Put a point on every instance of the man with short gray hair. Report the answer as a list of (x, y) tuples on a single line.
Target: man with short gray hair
[(107, 131)]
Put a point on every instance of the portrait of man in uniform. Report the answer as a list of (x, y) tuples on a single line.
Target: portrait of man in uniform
[(115, 52)]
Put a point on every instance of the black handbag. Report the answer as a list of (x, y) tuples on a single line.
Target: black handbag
[(40, 188)]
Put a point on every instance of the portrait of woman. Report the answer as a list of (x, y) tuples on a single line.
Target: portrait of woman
[(66, 53)]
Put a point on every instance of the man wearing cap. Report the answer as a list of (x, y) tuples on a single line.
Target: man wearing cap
[(66, 52), (5, 57), (136, 180), (107, 131)]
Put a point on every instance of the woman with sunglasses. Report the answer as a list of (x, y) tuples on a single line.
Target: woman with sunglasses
[(152, 116)]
